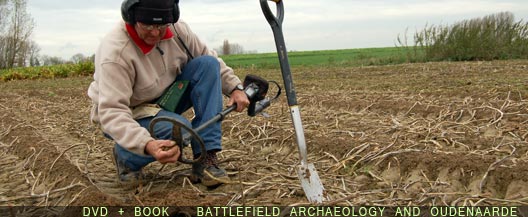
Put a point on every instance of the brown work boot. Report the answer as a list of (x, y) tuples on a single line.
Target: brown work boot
[(208, 172)]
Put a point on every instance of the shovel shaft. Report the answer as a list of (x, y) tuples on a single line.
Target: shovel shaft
[(310, 181), (276, 26), (285, 68)]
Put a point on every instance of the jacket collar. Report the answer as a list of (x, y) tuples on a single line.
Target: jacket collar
[(145, 48)]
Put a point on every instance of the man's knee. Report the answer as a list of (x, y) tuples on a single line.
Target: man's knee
[(211, 65), (209, 60)]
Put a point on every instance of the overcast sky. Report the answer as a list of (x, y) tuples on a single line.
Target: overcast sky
[(67, 27)]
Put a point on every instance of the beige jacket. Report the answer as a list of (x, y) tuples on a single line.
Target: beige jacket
[(128, 75)]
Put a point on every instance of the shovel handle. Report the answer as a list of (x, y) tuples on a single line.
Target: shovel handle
[(276, 25), (272, 19)]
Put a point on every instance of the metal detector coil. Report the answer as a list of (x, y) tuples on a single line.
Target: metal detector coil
[(181, 137)]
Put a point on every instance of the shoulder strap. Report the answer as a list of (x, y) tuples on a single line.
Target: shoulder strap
[(183, 43)]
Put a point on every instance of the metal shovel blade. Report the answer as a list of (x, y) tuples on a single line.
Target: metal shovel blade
[(311, 183)]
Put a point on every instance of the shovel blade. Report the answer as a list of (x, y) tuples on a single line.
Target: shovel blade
[(311, 183)]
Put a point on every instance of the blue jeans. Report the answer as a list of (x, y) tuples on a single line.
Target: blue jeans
[(204, 94)]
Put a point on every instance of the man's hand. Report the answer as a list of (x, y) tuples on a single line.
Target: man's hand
[(165, 151), (239, 98)]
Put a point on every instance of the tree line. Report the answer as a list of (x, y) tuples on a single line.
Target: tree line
[(229, 48), (17, 49)]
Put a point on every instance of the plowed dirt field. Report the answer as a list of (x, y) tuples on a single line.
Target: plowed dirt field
[(412, 134)]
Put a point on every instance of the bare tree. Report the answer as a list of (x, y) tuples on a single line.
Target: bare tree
[(230, 48), (226, 48), (4, 46), (4, 12), (236, 49), (34, 50), (51, 60), (3, 8), (78, 58), (15, 39)]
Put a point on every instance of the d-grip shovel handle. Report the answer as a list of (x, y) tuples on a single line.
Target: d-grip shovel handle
[(276, 26), (272, 19)]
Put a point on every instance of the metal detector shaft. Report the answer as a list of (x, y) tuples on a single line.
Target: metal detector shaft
[(220, 116)]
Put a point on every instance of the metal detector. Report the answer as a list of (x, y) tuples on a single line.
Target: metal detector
[(255, 89)]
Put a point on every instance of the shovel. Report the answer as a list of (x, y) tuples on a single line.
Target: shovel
[(311, 184)]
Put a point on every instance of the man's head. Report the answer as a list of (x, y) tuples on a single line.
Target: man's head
[(150, 11), (150, 18)]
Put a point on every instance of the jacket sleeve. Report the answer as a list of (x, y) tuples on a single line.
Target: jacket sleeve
[(115, 85), (198, 48)]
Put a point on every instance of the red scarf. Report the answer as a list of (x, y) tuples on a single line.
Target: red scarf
[(140, 43)]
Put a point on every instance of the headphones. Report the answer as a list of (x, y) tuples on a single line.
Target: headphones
[(127, 10)]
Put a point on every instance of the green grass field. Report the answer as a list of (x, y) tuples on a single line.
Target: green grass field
[(345, 57)]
